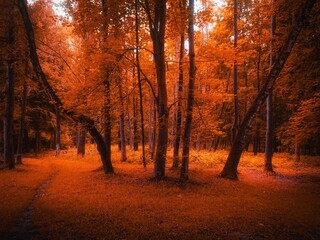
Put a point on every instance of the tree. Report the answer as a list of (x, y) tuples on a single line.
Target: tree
[(58, 131), (86, 121), (270, 129), (22, 122), (235, 73), (122, 129), (9, 89), (157, 26), (139, 83), (192, 76), (81, 141), (182, 9), (230, 168)]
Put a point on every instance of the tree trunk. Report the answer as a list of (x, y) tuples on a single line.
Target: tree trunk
[(269, 123), (58, 131), (105, 153), (150, 130), (177, 140), (103, 150), (235, 74), (157, 27), (269, 133), (192, 75), (122, 127), (140, 87), (81, 148), (230, 168), (154, 128), (22, 122), (130, 131), (107, 121), (135, 125), (9, 91)]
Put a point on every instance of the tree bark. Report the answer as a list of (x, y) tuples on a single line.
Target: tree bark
[(58, 131), (177, 140), (22, 122), (157, 27), (106, 150), (122, 127), (130, 131), (140, 87), (269, 123), (81, 148), (9, 91), (152, 127), (192, 76), (235, 74), (86, 121), (256, 143), (230, 168), (150, 124), (107, 122), (135, 124)]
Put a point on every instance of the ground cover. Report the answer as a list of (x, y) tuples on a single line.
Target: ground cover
[(70, 198)]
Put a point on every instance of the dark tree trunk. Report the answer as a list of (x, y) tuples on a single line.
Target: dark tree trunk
[(105, 153), (135, 125), (256, 140), (235, 74), (122, 127), (58, 131), (269, 123), (152, 127), (9, 91), (103, 150), (140, 87), (107, 122), (150, 124), (192, 75), (177, 140), (22, 122), (81, 148), (157, 27), (269, 133), (230, 168), (130, 131)]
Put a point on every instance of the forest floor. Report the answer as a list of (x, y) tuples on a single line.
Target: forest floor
[(69, 197)]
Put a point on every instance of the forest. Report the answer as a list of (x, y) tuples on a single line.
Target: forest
[(128, 119)]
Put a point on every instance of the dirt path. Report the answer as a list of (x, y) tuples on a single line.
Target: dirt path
[(74, 200), (25, 229)]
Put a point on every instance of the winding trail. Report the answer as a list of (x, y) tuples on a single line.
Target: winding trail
[(25, 229)]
